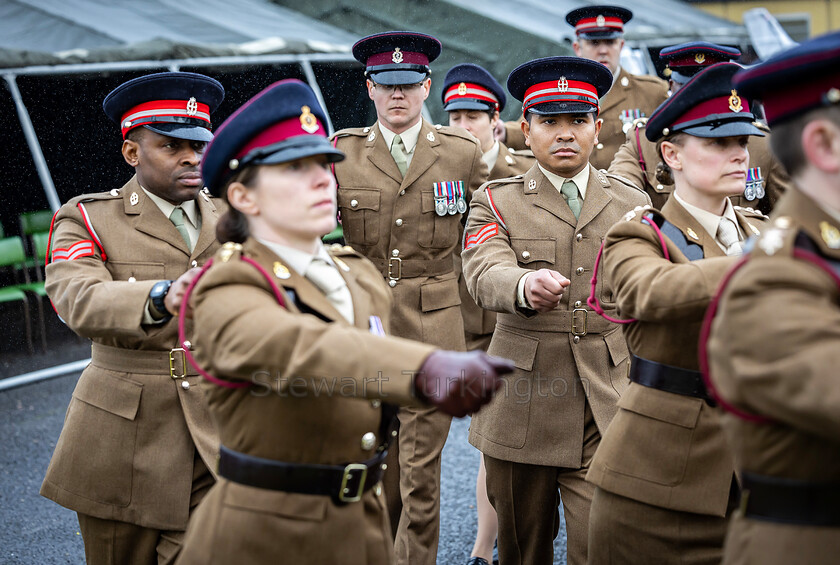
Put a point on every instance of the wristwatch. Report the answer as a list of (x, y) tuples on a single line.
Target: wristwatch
[(157, 296)]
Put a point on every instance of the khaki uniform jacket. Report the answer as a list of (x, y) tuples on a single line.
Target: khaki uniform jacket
[(391, 220), (774, 350), (127, 447), (317, 381), (537, 417), (627, 164), (662, 448), (477, 321), (630, 92)]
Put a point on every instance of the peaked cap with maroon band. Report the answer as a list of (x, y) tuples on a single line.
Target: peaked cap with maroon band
[(599, 22), (397, 57), (687, 59), (471, 87), (797, 80), (559, 85), (707, 106), (172, 104), (282, 123)]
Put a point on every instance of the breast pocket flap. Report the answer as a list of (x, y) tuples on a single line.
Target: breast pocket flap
[(519, 348), (533, 250), (113, 394)]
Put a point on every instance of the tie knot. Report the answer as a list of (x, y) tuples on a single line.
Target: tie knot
[(728, 236), (177, 216), (569, 190), (325, 276), (397, 141)]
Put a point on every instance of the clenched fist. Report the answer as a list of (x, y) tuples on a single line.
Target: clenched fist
[(544, 289)]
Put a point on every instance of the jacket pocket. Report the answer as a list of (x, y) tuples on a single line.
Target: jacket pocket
[(436, 295), (519, 348), (138, 270), (435, 231), (360, 214), (534, 253)]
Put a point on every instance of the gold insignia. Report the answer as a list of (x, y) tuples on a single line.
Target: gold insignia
[(667, 72), (228, 249), (341, 264), (735, 102), (462, 89), (600, 21), (754, 229), (830, 235), (700, 58), (430, 136), (308, 121), (532, 184), (134, 199), (281, 271), (192, 107), (833, 95), (397, 57), (692, 234), (563, 84)]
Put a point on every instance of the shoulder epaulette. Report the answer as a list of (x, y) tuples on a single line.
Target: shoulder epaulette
[(640, 212), (622, 179), (751, 212), (357, 132), (650, 78), (455, 132), (343, 250), (507, 180), (781, 234), (521, 152)]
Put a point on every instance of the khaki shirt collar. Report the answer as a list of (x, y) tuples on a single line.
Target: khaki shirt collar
[(581, 179), (409, 136), (709, 221), (189, 207), (490, 157), (297, 259)]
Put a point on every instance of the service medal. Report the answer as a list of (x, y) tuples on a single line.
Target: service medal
[(453, 208), (462, 205), (749, 192), (440, 207)]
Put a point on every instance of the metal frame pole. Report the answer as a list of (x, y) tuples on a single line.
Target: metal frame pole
[(42, 375)]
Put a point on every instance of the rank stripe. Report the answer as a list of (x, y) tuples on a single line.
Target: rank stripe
[(91, 231), (79, 249), (495, 210), (481, 236)]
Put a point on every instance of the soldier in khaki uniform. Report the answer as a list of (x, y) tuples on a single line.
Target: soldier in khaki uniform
[(473, 98), (136, 452), (637, 159), (600, 31), (529, 247), (293, 334), (774, 347), (664, 474), (403, 192)]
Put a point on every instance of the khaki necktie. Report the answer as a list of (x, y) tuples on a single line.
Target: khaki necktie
[(326, 277), (727, 234), (399, 154), (177, 218), (570, 193)]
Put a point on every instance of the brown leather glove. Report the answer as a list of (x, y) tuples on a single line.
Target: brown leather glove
[(460, 383)]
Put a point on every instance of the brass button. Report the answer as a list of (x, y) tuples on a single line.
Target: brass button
[(368, 441), (132, 279), (395, 253), (526, 255), (392, 283), (194, 263), (377, 489), (578, 304), (599, 146), (185, 385), (399, 221), (375, 403), (394, 433), (659, 187), (579, 236), (354, 203), (579, 270), (576, 339), (187, 344), (402, 192), (384, 467)]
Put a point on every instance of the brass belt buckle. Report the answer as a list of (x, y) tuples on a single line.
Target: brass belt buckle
[(173, 363), (345, 493), (578, 322), (391, 268)]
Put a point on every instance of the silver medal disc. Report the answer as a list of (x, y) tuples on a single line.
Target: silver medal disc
[(749, 192), (759, 190), (462, 205), (453, 208), (440, 207)]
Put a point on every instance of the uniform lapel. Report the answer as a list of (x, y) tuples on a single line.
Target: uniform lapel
[(361, 299), (544, 195), (379, 154), (691, 228), (148, 218), (596, 198), (304, 293), (503, 168), (209, 216), (820, 227), (425, 154), (746, 227)]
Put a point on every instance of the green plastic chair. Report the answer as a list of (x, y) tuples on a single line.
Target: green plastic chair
[(34, 222), (12, 257)]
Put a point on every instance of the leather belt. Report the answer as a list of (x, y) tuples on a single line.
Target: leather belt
[(578, 322), (172, 362), (790, 501), (670, 379), (342, 483), (397, 268)]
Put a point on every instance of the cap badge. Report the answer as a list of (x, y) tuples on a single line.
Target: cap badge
[(600, 21), (692, 234), (134, 199), (462, 89), (308, 121), (397, 57), (830, 235), (532, 184), (563, 85), (192, 107), (700, 58), (281, 271), (430, 136), (735, 102)]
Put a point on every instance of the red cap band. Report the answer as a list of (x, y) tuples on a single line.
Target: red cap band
[(600, 23), (720, 105), (472, 91), (305, 124), (396, 57), (146, 113), (560, 90)]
